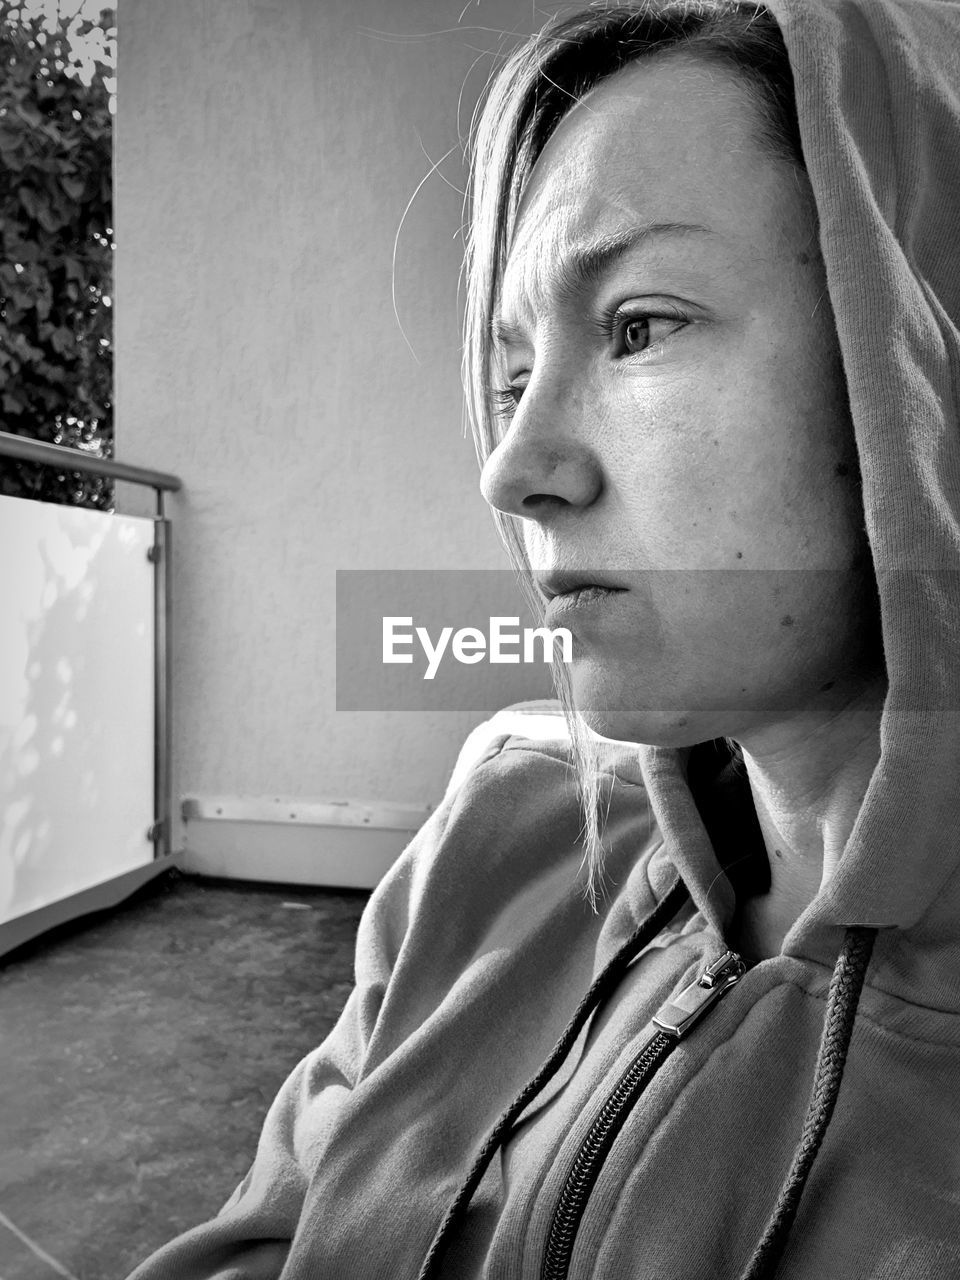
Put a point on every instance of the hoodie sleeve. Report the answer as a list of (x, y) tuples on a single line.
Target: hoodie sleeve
[(250, 1237)]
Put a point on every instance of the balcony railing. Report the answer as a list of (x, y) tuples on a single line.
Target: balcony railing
[(85, 791)]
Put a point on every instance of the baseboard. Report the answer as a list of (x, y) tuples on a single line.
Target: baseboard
[(334, 843)]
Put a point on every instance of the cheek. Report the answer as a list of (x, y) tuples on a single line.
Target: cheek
[(726, 646), (694, 475), (752, 469)]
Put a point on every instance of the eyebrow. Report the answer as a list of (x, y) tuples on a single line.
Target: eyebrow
[(586, 265)]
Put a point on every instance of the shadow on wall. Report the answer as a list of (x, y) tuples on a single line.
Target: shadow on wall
[(76, 701)]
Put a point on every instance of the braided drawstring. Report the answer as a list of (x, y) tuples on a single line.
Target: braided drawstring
[(842, 1000), (644, 934)]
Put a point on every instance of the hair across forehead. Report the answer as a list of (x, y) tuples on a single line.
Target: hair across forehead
[(568, 57), (558, 65)]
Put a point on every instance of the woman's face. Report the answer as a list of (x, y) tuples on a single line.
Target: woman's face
[(681, 429)]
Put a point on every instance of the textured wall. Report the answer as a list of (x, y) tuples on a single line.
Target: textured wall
[(266, 154)]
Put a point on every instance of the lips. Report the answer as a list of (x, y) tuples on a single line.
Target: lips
[(569, 582)]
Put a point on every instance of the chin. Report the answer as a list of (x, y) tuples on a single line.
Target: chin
[(655, 708), (620, 715), (650, 731)]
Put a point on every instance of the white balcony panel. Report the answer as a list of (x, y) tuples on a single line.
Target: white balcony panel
[(76, 700)]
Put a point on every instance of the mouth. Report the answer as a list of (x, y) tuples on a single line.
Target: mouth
[(577, 598), (575, 585)]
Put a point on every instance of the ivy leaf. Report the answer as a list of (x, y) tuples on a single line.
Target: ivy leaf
[(74, 187), (29, 201), (48, 219), (30, 113), (63, 341)]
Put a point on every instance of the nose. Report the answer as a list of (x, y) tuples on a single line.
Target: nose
[(543, 463)]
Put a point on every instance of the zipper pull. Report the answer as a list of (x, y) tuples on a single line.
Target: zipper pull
[(678, 1015)]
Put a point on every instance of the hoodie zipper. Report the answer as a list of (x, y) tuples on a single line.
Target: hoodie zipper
[(673, 1021)]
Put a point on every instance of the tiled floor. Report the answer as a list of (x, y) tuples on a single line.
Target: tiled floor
[(138, 1054)]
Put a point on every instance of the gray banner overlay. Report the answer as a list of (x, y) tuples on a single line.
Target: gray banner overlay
[(467, 640)]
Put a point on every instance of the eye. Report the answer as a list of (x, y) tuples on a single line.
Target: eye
[(636, 332), (505, 399)]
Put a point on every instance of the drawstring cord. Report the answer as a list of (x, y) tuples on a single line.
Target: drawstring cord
[(641, 937), (842, 1001)]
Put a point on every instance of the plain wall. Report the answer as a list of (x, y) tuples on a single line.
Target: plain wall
[(266, 153)]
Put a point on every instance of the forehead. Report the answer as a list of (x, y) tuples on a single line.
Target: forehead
[(672, 140)]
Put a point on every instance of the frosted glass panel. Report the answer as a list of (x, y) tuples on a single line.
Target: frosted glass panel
[(76, 700)]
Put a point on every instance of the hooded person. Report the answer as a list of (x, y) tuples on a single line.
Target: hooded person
[(730, 1065)]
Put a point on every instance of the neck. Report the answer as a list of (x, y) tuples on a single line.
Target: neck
[(808, 776)]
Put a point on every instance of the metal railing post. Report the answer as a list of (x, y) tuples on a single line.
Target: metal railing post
[(163, 834)]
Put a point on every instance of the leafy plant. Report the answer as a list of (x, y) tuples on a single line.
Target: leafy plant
[(56, 264)]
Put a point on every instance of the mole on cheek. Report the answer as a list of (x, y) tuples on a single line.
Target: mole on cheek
[(786, 620)]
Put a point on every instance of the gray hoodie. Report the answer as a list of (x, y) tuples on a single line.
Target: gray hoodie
[(684, 1119)]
